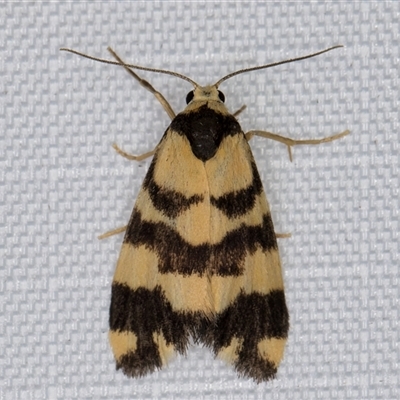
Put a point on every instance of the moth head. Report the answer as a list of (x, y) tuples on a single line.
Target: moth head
[(205, 93)]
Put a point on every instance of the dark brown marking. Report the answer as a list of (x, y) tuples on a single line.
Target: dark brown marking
[(250, 318), (251, 365), (205, 128), (240, 202), (145, 360), (175, 255), (267, 318), (145, 312), (168, 202)]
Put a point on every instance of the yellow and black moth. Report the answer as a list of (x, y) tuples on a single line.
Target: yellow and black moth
[(200, 256)]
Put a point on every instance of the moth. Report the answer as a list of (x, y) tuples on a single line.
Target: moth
[(200, 256)]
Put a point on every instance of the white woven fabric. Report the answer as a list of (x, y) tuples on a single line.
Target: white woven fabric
[(62, 185)]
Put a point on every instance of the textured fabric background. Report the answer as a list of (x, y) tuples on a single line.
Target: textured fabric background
[(62, 185)]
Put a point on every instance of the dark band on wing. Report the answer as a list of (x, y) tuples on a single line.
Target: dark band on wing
[(240, 202), (145, 312), (175, 255), (250, 319), (251, 365), (270, 319), (168, 202)]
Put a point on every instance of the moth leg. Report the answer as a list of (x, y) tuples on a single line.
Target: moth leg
[(291, 142), (168, 109), (237, 112), (278, 235), (112, 232), (131, 156)]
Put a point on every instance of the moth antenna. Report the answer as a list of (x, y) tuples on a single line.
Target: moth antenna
[(161, 71), (241, 71)]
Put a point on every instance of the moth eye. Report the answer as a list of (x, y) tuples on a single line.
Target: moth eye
[(221, 96), (189, 97)]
